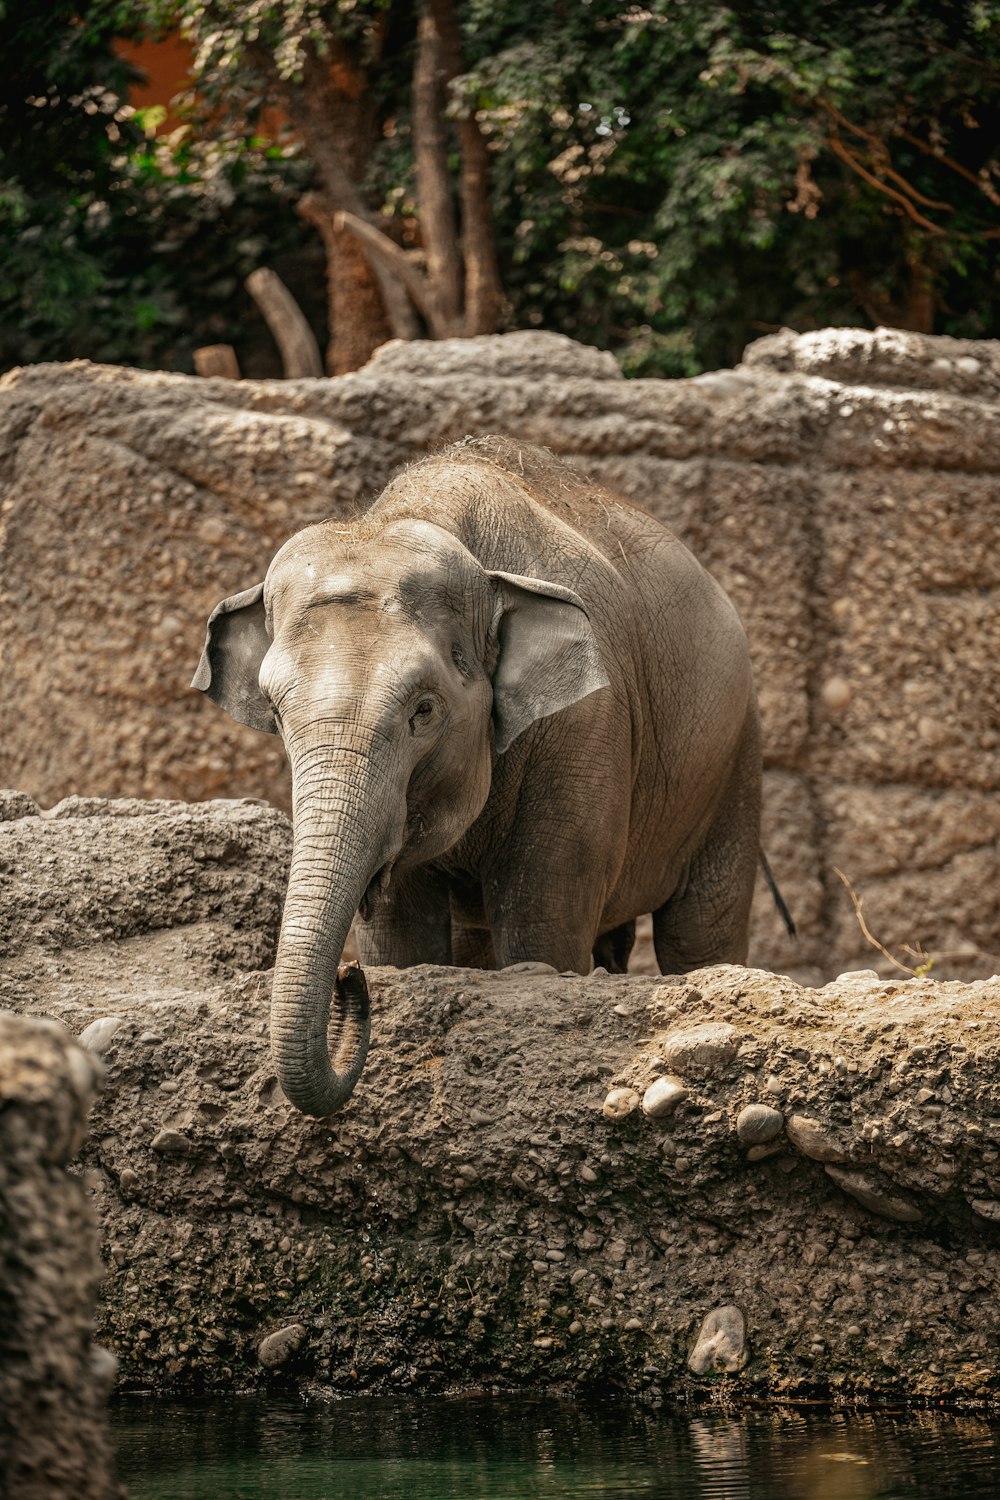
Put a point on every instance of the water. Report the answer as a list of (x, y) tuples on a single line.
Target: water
[(505, 1449)]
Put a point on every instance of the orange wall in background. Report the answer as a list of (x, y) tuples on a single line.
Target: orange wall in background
[(167, 67)]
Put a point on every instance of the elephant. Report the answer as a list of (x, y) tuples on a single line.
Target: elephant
[(518, 713)]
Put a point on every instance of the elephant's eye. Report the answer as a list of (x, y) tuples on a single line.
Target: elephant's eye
[(421, 713)]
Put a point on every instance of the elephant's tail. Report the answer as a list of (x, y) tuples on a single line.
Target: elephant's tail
[(779, 899)]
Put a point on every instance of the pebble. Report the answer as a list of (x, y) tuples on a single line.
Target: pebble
[(662, 1098), (871, 1195), (765, 1149), (967, 364), (128, 1181), (99, 1034), (620, 1103), (986, 1208), (836, 694), (171, 1143), (758, 1123), (813, 1139), (103, 1368), (634, 1325), (587, 1174), (276, 1347), (721, 1343), (529, 966), (702, 1051)]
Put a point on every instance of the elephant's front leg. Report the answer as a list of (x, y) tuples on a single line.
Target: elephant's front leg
[(545, 914), (411, 923)]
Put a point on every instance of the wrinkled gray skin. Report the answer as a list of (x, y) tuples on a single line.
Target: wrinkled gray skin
[(518, 714)]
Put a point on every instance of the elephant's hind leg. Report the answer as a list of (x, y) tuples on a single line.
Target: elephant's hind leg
[(707, 919)]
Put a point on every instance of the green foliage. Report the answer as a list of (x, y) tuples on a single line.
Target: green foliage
[(115, 246), (670, 178), (669, 183)]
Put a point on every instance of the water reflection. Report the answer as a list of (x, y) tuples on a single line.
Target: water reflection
[(493, 1449)]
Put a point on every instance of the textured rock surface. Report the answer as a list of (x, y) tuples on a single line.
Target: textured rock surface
[(474, 1217), (841, 485), (53, 1379)]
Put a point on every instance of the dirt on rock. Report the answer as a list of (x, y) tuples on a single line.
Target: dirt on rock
[(797, 1191)]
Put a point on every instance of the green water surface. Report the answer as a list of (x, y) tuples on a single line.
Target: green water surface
[(485, 1448)]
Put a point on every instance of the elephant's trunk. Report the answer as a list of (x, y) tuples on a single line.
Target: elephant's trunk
[(339, 845)]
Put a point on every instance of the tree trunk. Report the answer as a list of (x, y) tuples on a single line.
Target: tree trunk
[(438, 229), (356, 311), (483, 292), (333, 110)]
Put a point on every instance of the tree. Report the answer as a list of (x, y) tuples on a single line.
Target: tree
[(338, 69), (672, 178), (113, 245)]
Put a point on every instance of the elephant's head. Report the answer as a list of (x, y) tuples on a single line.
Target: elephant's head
[(396, 668)]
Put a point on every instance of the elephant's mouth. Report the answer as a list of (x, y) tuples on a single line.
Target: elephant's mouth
[(376, 887)]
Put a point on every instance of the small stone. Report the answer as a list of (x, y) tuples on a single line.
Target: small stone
[(170, 1143), (634, 1325), (278, 1346), (587, 1174), (764, 1150), (986, 1208), (836, 694), (128, 1181), (575, 1327), (758, 1123), (555, 1256), (813, 1139), (103, 1368), (662, 1098), (721, 1343), (868, 1191), (620, 1010), (150, 1036), (529, 966), (702, 1051), (99, 1034), (543, 1343), (774, 1084), (169, 1086), (967, 364), (924, 1096), (580, 1274), (620, 1103)]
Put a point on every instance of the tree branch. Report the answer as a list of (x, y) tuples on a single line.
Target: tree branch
[(398, 263), (984, 185), (839, 149), (284, 317)]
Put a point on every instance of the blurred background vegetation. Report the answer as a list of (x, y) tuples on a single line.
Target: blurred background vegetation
[(666, 179)]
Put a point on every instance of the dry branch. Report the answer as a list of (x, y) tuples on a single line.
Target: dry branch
[(284, 317)]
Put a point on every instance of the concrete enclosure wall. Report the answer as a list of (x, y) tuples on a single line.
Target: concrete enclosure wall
[(842, 486)]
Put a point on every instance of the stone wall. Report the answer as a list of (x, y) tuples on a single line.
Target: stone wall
[(726, 1185), (53, 1378), (842, 486)]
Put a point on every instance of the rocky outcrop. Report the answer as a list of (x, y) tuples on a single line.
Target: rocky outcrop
[(53, 1379), (841, 485), (541, 1180)]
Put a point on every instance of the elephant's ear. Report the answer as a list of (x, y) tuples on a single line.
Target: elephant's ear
[(235, 645), (548, 654)]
